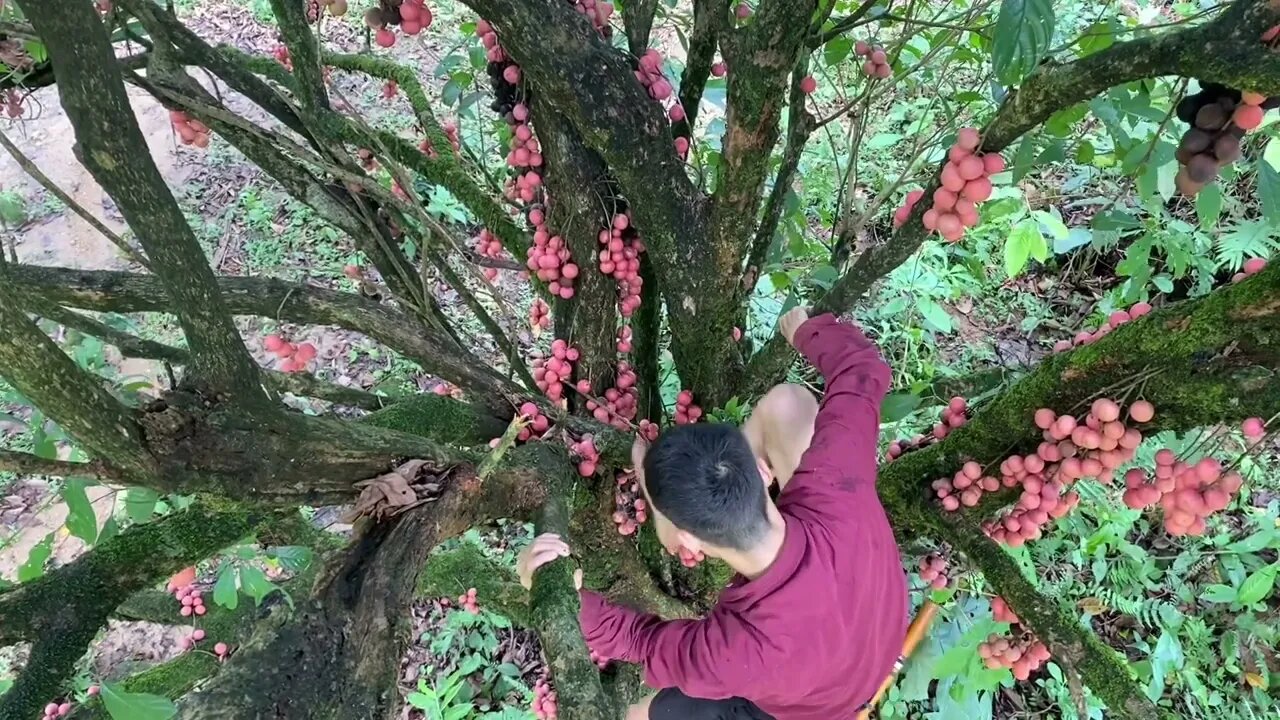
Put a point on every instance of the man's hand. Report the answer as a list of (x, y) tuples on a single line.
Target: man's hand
[(545, 548), (791, 321)]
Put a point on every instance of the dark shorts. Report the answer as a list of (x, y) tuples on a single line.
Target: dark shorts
[(671, 704)]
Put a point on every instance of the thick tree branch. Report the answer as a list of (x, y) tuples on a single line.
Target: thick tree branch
[(111, 146), (710, 17), (109, 291), (304, 55), (72, 397), (1224, 50), (28, 464), (637, 19), (63, 610)]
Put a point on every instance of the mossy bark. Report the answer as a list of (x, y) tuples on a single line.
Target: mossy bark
[(710, 17), (442, 419)]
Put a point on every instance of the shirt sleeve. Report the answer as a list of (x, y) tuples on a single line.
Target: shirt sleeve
[(847, 429), (715, 657)]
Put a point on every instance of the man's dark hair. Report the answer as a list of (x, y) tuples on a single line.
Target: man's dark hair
[(704, 478)]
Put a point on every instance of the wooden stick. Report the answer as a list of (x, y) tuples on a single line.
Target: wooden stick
[(915, 633)]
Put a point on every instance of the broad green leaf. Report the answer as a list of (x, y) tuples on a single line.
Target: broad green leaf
[(34, 566), (824, 276), (1085, 152), (1024, 29), (934, 316), (110, 529), (224, 590), (1218, 593), (451, 92), (1026, 241), (1076, 237), (140, 503), (1258, 585), (292, 557), (1098, 36), (255, 584), (81, 520), (1269, 192), (897, 406), (1053, 224), (1209, 205), (13, 210), (123, 705), (1257, 541), (835, 51)]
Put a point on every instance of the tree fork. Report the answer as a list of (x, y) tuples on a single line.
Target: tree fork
[(112, 147)]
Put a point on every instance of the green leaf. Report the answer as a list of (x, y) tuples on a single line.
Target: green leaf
[(1024, 29), (1026, 241), (1098, 36), (835, 51), (1076, 237), (1218, 593), (1085, 152), (1258, 541), (140, 503), (451, 92), (897, 406), (13, 210), (1269, 191), (255, 583), (934, 316), (1258, 585), (81, 521), (123, 705), (224, 590), (34, 566), (292, 557), (824, 276), (1053, 224), (110, 529), (1209, 205)]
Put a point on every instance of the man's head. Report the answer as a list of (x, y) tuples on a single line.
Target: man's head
[(707, 489)]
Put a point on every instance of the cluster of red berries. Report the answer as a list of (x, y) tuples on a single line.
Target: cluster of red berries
[(190, 131), (536, 426), (188, 642), (742, 11), (1254, 428), (539, 316), (601, 661), (451, 132), (486, 245), (1114, 320), (550, 373), (689, 558), (549, 257), (1187, 493), (587, 454), (544, 697), (1023, 654), (598, 11), (904, 211), (965, 183), (651, 77), (281, 54), (524, 150), (877, 64), (624, 339), (619, 257), (413, 16), (1001, 611), (389, 89), (1252, 266), (293, 357), (620, 401), (954, 415), (1219, 117), (489, 39), (647, 430), (629, 507), (444, 389), (57, 710), (190, 600), (686, 411), (467, 601), (933, 570)]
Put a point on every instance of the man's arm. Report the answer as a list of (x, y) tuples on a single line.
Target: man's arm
[(847, 428), (710, 658)]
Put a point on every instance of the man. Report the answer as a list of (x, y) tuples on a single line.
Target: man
[(814, 620)]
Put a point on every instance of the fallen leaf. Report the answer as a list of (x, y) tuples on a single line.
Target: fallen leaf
[(1255, 680)]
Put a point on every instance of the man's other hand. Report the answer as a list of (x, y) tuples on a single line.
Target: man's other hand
[(789, 323), (545, 548)]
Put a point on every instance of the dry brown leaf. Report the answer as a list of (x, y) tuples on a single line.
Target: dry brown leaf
[(388, 494), (1255, 680), (1093, 606)]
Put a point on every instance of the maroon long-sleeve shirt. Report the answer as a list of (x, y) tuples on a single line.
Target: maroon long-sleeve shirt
[(815, 635)]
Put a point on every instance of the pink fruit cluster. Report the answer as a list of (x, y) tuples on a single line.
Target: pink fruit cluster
[(954, 415), (486, 245), (444, 389), (877, 64), (933, 570), (190, 601), (389, 89), (1001, 611), (549, 257), (1254, 428), (281, 54), (550, 373), (538, 424), (686, 411), (598, 11), (544, 697), (222, 650), (467, 601), (57, 710), (647, 430), (190, 131), (620, 401), (742, 11), (413, 16), (189, 641), (619, 257), (1023, 654), (539, 315), (965, 183), (587, 454), (1187, 493), (450, 132), (1252, 266), (1114, 320), (524, 154), (601, 661), (629, 507), (904, 211), (688, 558), (489, 39), (649, 73), (624, 339), (293, 357)]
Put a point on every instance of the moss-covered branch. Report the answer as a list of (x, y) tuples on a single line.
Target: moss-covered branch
[(710, 18), (28, 464), (62, 611), (1224, 50), (111, 146), (637, 20)]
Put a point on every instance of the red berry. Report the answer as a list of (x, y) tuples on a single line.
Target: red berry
[(808, 85)]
